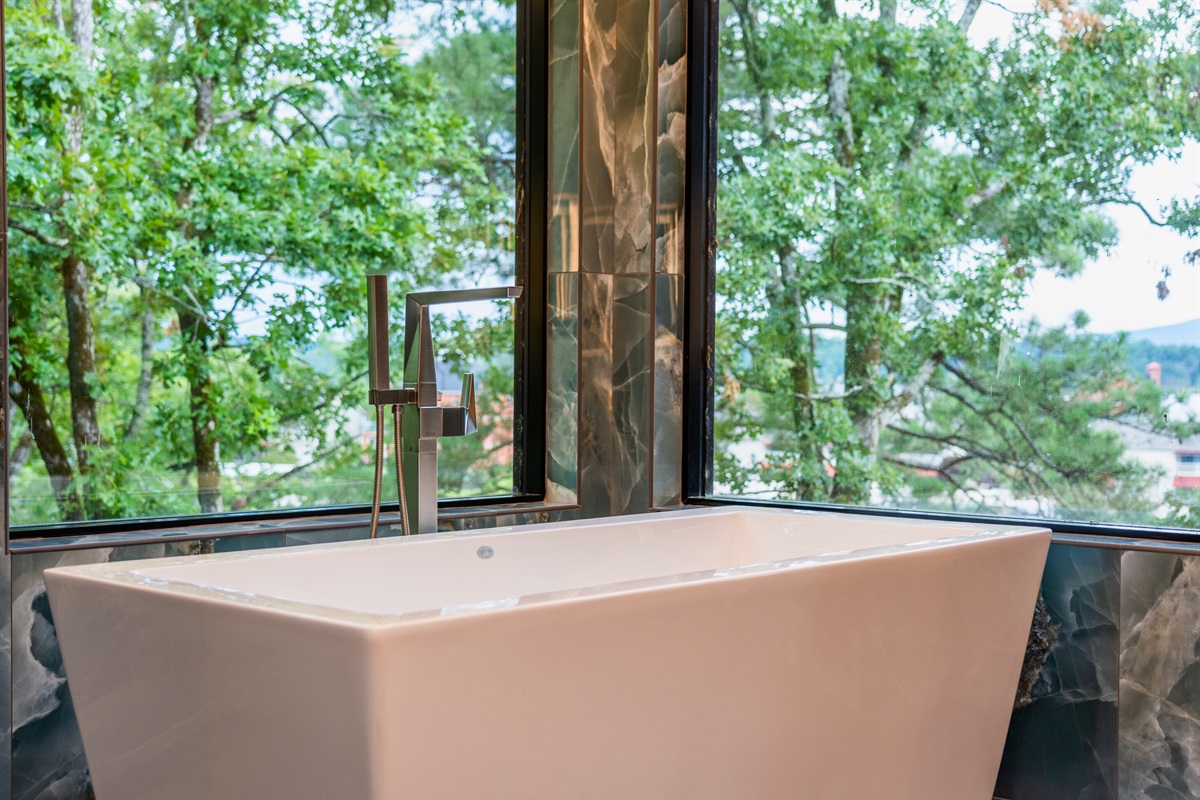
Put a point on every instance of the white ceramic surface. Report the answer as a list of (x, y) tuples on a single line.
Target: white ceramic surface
[(710, 654)]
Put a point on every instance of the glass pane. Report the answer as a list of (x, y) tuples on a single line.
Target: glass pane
[(959, 262), (197, 191)]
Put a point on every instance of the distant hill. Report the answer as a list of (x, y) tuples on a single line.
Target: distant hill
[(1185, 333), (1180, 363)]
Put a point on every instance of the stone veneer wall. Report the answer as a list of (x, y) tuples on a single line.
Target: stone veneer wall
[(1115, 713), (615, 328)]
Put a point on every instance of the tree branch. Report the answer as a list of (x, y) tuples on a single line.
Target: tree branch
[(898, 403), (49, 241), (1129, 201), (828, 397), (317, 129), (887, 12), (27, 394), (138, 416), (985, 194), (21, 452), (968, 15)]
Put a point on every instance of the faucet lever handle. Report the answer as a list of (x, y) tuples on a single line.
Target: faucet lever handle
[(470, 424)]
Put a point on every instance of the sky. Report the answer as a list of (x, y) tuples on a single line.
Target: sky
[(1118, 290)]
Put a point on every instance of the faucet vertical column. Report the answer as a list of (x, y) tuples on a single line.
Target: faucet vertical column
[(422, 420)]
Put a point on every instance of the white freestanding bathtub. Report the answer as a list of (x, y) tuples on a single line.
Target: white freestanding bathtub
[(714, 654)]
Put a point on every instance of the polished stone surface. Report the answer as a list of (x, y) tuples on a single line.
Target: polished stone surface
[(617, 124), (6, 695), (672, 135), (1063, 744), (563, 255), (668, 390), (614, 394), (1160, 677), (562, 388), (632, 387)]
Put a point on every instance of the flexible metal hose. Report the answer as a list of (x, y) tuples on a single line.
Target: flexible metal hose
[(378, 469), (397, 417)]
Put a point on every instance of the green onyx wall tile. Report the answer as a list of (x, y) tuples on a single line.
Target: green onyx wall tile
[(672, 135), (6, 695), (1062, 742), (595, 396), (260, 541), (562, 394), (667, 452), (615, 414), (616, 155), (632, 385), (1159, 756), (330, 535), (563, 253)]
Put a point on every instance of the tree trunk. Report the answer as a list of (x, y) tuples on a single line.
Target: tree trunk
[(81, 359), (21, 451), (137, 417), (76, 280), (864, 357), (27, 394), (202, 390), (193, 325)]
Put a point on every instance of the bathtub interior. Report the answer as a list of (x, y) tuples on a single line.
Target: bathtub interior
[(403, 576)]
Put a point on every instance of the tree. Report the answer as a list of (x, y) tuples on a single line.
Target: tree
[(884, 177), (213, 180)]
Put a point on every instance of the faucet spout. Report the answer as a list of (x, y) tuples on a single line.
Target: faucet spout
[(419, 373), (425, 421)]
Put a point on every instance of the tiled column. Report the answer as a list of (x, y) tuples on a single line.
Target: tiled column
[(562, 296), (1159, 751), (630, 293), (670, 191), (1062, 745)]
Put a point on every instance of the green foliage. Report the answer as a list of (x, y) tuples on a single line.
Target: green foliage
[(1180, 363), (240, 167), (896, 181)]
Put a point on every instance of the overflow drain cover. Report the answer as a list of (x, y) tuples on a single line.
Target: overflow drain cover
[(485, 552)]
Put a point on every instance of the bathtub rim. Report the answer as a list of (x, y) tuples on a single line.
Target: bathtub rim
[(126, 575)]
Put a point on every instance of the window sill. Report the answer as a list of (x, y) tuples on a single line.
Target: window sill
[(300, 524), (1127, 537)]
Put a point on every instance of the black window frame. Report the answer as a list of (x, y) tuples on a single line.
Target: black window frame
[(699, 398), (529, 348)]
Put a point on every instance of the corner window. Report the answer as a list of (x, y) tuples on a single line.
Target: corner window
[(196, 192), (959, 256)]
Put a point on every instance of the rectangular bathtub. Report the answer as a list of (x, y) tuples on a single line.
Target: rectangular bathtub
[(711, 654)]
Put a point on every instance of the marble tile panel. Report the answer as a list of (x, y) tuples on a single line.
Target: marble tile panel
[(633, 102), (615, 410), (668, 390), (6, 696), (597, 134), (48, 761), (1062, 745), (595, 395), (672, 135), (616, 157), (236, 544), (562, 389), (328, 535), (633, 393), (1159, 755), (564, 136)]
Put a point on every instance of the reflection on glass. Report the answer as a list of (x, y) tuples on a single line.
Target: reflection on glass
[(197, 190)]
